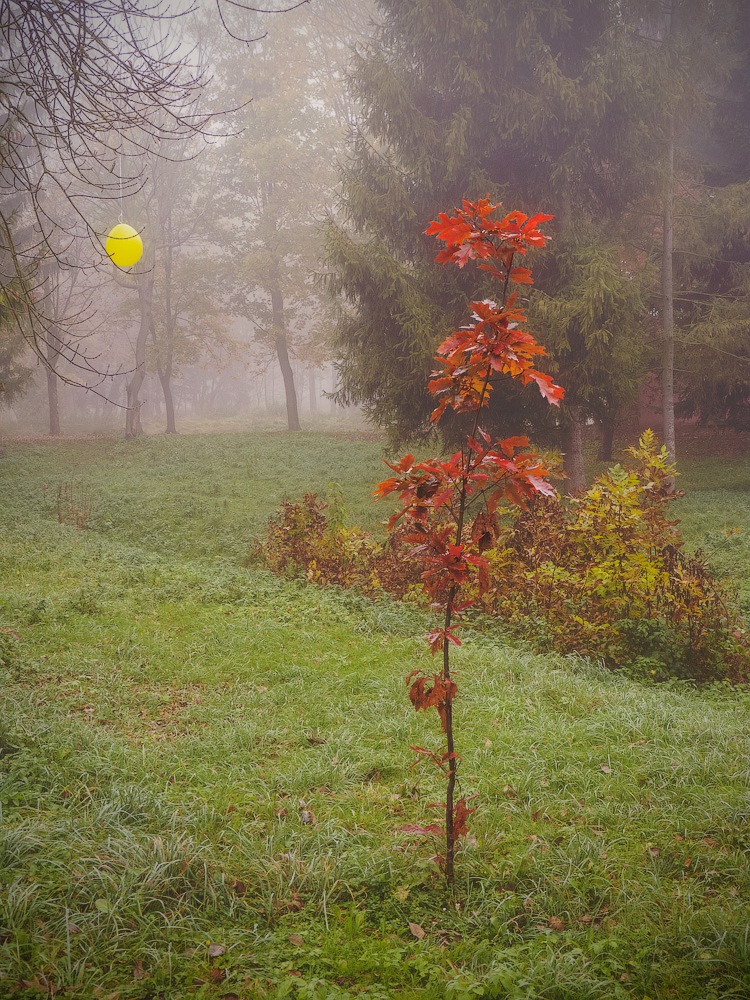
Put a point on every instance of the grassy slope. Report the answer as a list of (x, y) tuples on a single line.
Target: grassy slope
[(171, 721)]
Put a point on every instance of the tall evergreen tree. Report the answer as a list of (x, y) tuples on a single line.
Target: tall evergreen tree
[(535, 103)]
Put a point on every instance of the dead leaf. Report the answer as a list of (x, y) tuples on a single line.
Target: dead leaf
[(229, 996), (139, 972), (239, 887), (447, 937), (605, 768), (654, 852), (314, 740), (216, 950), (416, 930), (307, 817), (217, 975), (687, 862), (296, 939), (556, 923)]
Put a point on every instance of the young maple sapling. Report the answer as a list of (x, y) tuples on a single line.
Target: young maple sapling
[(451, 505)]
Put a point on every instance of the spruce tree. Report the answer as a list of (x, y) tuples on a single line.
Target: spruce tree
[(532, 103)]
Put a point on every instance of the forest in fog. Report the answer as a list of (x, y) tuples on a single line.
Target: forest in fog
[(281, 168)]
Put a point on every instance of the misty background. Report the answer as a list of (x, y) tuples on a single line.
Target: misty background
[(281, 168)]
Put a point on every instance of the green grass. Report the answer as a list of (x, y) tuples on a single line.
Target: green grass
[(195, 753)]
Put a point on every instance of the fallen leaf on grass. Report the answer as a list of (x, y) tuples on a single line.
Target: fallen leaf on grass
[(217, 975), (447, 937), (430, 830), (216, 950), (416, 930), (556, 923), (654, 852), (605, 768), (139, 972), (296, 939)]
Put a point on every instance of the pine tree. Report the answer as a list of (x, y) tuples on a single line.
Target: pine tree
[(532, 103)]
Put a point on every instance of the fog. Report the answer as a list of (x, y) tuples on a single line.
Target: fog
[(227, 173), (280, 168)]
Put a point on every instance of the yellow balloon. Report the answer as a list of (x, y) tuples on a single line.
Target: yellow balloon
[(124, 246)]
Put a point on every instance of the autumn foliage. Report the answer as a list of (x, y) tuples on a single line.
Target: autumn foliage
[(604, 574), (450, 505)]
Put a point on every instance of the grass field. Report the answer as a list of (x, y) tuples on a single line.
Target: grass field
[(204, 768)]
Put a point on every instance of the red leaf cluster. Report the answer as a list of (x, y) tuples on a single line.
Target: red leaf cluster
[(431, 691)]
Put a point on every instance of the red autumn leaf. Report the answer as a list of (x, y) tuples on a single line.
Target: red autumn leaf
[(521, 276), (461, 813), (438, 637), (431, 830)]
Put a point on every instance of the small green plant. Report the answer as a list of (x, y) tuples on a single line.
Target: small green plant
[(74, 504)]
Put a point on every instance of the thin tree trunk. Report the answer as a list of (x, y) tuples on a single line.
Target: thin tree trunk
[(312, 390), (53, 353), (282, 352), (607, 438), (166, 388), (573, 450), (667, 288), (133, 426)]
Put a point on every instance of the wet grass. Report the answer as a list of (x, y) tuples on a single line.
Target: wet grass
[(204, 769)]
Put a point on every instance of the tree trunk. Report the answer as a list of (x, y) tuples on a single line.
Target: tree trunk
[(53, 353), (166, 388), (573, 451), (133, 427), (607, 438), (312, 390), (166, 370), (667, 288), (282, 352)]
